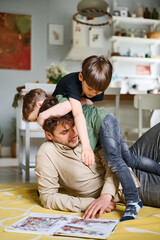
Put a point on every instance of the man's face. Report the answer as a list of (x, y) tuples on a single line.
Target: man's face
[(66, 135)]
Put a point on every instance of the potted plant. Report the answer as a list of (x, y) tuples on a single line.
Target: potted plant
[(1, 138), (55, 73)]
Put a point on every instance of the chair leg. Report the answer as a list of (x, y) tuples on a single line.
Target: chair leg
[(20, 151), (117, 105), (140, 116), (27, 153)]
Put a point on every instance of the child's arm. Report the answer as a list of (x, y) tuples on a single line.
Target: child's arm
[(59, 110), (87, 153), (56, 111)]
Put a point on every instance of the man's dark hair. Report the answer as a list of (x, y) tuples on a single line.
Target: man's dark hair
[(51, 123)]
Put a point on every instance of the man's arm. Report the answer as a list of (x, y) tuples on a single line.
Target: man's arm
[(87, 153), (104, 203), (48, 187)]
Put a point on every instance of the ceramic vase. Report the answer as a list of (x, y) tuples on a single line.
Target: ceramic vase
[(139, 10)]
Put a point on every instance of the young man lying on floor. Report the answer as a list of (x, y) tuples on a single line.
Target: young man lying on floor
[(58, 165)]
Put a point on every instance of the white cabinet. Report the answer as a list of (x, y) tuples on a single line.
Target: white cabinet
[(134, 54)]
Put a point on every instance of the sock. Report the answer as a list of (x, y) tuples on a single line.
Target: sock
[(131, 211)]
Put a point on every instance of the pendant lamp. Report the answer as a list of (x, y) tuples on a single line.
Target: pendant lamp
[(92, 9)]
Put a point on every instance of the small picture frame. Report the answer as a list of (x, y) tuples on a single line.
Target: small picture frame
[(124, 12), (56, 34), (96, 38), (143, 70)]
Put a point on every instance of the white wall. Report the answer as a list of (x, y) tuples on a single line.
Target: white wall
[(10, 79), (44, 12)]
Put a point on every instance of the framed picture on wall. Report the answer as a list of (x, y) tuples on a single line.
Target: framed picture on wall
[(96, 38), (15, 41), (56, 34)]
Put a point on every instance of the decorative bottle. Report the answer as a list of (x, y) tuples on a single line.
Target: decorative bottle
[(146, 13), (154, 14), (139, 10)]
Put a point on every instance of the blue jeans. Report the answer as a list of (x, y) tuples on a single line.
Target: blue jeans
[(119, 157), (148, 145)]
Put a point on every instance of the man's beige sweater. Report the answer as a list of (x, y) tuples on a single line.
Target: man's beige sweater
[(60, 166)]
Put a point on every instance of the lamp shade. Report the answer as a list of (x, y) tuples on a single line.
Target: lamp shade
[(100, 7)]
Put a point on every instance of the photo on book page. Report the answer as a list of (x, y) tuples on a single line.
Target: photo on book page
[(64, 225)]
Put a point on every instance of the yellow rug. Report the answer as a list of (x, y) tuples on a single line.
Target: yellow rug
[(17, 200)]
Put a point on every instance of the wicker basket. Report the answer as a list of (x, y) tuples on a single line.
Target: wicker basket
[(154, 35)]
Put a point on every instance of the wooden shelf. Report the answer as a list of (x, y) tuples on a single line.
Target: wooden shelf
[(147, 41), (122, 97), (139, 21), (133, 76), (134, 59)]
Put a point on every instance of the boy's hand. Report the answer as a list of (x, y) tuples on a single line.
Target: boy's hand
[(89, 102), (40, 119), (83, 101), (87, 156), (86, 101)]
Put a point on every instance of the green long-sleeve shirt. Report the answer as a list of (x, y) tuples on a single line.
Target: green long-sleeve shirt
[(94, 117)]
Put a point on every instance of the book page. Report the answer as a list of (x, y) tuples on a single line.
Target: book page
[(91, 228), (65, 225), (38, 223)]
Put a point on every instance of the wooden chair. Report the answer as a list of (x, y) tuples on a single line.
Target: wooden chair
[(116, 92), (28, 132)]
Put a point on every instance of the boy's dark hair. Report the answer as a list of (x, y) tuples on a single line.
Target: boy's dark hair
[(97, 72), (30, 100), (51, 123)]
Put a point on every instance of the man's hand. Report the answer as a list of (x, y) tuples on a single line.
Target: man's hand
[(87, 156), (100, 205)]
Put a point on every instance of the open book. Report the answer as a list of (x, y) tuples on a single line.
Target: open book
[(63, 225)]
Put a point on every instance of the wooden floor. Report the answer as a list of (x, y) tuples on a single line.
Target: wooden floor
[(9, 172)]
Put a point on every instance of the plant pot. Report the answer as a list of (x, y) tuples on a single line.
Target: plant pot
[(13, 149)]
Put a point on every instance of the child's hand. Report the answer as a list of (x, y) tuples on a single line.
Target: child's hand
[(89, 102), (86, 101), (87, 156), (83, 101), (40, 119)]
